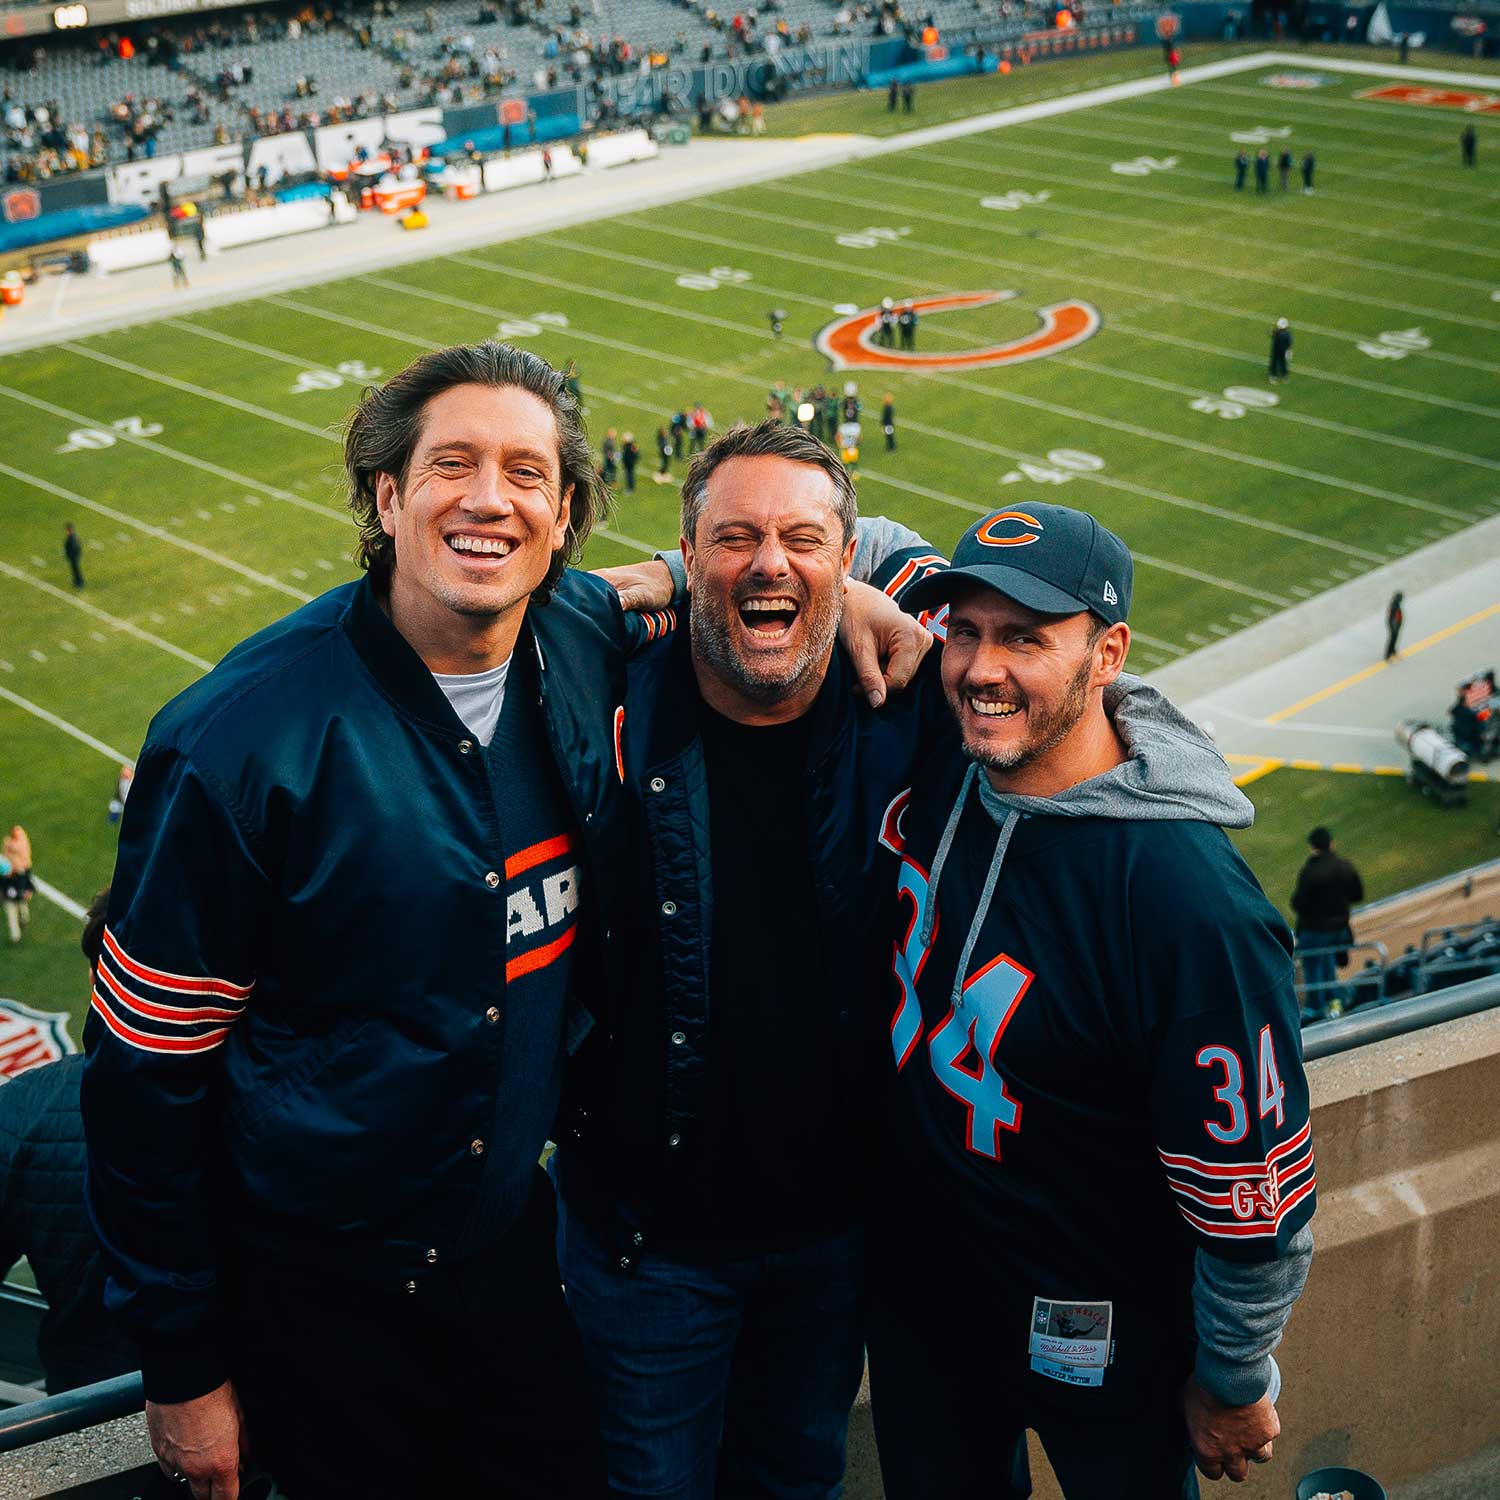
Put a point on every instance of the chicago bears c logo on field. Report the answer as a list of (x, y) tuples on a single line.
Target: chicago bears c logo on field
[(999, 530), (848, 345)]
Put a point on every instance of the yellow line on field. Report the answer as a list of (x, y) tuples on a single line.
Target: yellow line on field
[(1365, 673), (1263, 769)]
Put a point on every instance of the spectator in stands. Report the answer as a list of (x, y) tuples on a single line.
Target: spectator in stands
[(42, 1212), (1327, 886)]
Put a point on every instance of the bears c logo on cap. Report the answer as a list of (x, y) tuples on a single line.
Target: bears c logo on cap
[(1009, 519)]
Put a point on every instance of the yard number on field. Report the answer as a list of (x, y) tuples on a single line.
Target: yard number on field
[(867, 239), (85, 439), (1261, 135), (1016, 198), (1395, 344), (528, 328), (1235, 402), (697, 281), (331, 380), (1144, 166), (1062, 465)]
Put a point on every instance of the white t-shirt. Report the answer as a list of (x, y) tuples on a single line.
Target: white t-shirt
[(477, 697)]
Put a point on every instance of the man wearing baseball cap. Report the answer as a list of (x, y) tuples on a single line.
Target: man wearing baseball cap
[(1100, 1175)]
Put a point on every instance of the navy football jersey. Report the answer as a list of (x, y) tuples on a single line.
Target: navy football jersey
[(1116, 1081)]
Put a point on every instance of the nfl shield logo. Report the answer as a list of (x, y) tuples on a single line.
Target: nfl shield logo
[(29, 1038)]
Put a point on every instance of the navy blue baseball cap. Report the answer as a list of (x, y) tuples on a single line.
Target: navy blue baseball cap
[(1050, 558)]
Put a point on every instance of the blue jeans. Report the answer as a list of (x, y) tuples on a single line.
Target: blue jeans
[(736, 1376), (1318, 949)]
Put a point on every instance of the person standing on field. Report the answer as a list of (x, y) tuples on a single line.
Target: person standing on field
[(1309, 165), (1284, 167), (1262, 171), (1468, 145), (1241, 167), (73, 551), (1281, 348)]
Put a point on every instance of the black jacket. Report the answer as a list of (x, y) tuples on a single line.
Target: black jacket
[(1326, 888), (299, 1049), (42, 1216), (635, 1101)]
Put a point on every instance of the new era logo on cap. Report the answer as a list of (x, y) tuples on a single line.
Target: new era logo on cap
[(1050, 558)]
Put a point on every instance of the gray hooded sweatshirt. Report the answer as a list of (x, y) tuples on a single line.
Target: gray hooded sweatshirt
[(1173, 772)]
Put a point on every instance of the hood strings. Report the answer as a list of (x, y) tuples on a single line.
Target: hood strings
[(991, 880)]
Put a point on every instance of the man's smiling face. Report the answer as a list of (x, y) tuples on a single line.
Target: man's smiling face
[(767, 567), (479, 513)]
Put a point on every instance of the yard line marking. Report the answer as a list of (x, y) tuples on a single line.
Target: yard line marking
[(45, 888), (191, 388), (1262, 768), (1032, 402), (1168, 299), (1469, 283), (203, 332), (1365, 673), (1377, 387), (1334, 196), (938, 329), (159, 532), (216, 470), (37, 711), (1075, 278), (1219, 512), (1301, 418), (822, 303), (1094, 247), (666, 309), (1048, 175)]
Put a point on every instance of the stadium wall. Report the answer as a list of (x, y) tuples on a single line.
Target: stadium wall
[(1474, 33), (1389, 1362)]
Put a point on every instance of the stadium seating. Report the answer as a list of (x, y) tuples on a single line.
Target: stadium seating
[(1446, 956)]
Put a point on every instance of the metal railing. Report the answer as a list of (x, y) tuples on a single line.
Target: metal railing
[(1331, 997), (1381, 1022), (71, 1411)]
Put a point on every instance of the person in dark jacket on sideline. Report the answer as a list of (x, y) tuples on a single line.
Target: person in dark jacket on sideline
[(705, 1234), (630, 457), (1395, 618), (1262, 171), (42, 1211), (1241, 167), (1327, 886)]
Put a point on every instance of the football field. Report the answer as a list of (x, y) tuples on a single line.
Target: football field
[(199, 455)]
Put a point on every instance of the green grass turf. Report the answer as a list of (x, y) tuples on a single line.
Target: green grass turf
[(219, 509), (1395, 837)]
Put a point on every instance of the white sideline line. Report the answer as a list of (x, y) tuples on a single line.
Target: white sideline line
[(1096, 248), (1052, 153), (160, 533), (37, 711), (1219, 512), (217, 470), (114, 621), (1034, 403), (57, 898), (937, 329), (1468, 283)]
